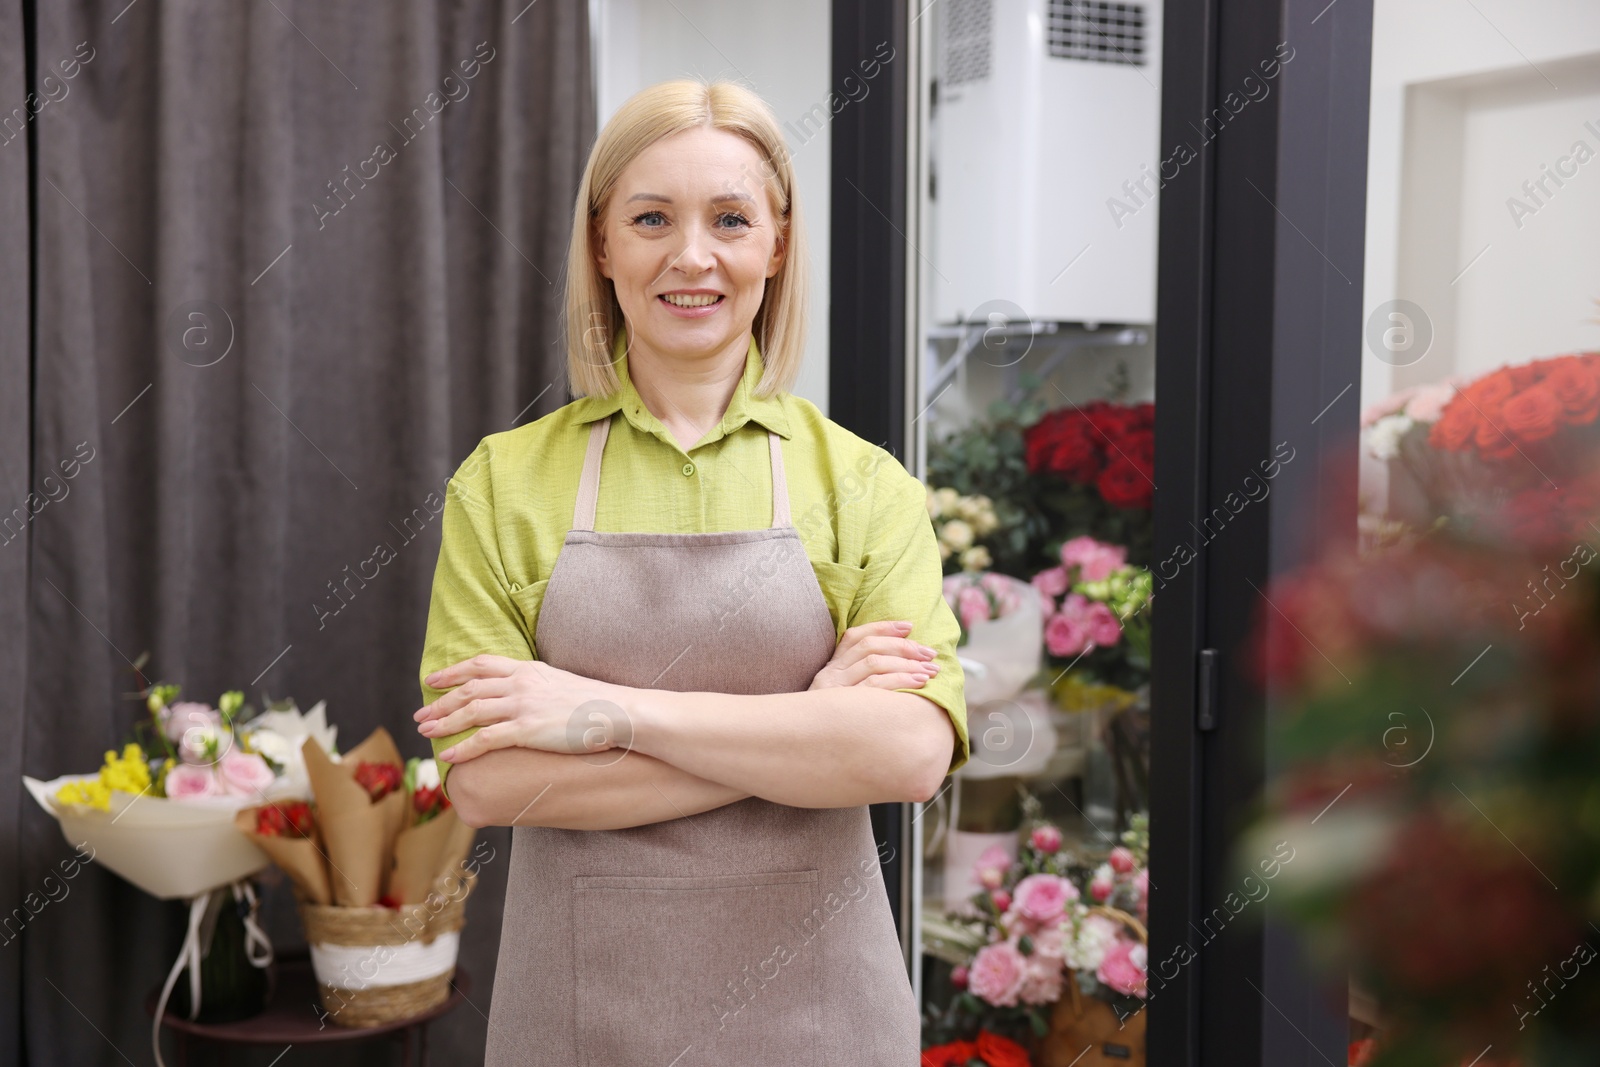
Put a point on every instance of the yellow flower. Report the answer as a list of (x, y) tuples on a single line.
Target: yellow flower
[(129, 773)]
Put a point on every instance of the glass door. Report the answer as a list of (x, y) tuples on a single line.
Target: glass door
[(1035, 154)]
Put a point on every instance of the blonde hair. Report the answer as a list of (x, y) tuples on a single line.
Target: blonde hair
[(593, 316)]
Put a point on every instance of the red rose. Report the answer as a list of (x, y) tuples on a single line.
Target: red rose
[(1572, 381), (1457, 424), (1533, 414), (379, 779), (285, 820), (1139, 445), (1126, 483), (997, 1051), (1066, 446), (954, 1054)]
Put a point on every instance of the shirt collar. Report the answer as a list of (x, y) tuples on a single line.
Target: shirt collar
[(744, 407)]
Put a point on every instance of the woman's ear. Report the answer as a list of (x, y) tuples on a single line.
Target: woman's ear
[(597, 242), (779, 250)]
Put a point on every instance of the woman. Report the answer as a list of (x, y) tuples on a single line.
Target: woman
[(681, 699)]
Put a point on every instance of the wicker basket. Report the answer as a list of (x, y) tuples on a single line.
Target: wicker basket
[(1086, 1031), (375, 965)]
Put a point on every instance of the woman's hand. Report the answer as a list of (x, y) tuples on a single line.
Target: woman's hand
[(877, 654), (522, 703)]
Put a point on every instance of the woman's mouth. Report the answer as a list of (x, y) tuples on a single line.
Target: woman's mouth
[(691, 305)]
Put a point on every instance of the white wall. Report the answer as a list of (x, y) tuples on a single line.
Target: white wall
[(781, 52), (1468, 101)]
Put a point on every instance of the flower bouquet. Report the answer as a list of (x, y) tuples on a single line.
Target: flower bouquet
[(1045, 965), (1435, 736), (377, 866), (161, 814)]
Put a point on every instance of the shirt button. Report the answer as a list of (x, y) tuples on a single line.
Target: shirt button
[(688, 469)]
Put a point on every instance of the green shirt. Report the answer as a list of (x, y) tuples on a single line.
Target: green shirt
[(862, 517)]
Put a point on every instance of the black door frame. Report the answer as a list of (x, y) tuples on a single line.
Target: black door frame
[(1258, 349)]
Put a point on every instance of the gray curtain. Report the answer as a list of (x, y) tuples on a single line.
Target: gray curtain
[(268, 271)]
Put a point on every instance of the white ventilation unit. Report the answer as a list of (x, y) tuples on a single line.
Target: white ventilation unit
[(1045, 158)]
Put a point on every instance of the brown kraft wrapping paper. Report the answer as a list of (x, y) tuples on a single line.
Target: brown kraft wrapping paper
[(358, 834)]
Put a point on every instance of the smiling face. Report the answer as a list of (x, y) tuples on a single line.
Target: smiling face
[(689, 238)]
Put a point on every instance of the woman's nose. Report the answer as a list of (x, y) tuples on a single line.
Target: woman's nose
[(695, 257)]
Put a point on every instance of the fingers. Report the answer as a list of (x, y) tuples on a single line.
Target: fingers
[(902, 647), (877, 663), (479, 712), (500, 735), (881, 628), (480, 666), (472, 689)]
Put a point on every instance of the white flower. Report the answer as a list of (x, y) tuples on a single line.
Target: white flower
[(427, 774), (272, 746), (976, 558), (945, 501), (1096, 934), (279, 736), (956, 534), (1383, 437)]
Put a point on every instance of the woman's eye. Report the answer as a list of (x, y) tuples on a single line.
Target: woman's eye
[(738, 219), (637, 219)]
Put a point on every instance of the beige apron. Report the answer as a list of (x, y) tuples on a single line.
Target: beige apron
[(752, 935)]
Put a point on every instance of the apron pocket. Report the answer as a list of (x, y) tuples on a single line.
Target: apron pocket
[(709, 971)]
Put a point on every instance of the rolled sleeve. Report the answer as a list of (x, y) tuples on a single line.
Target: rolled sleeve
[(904, 579), (470, 610)]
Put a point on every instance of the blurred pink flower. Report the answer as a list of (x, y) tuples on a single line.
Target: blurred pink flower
[(1105, 629), (1043, 898), (997, 973), (1052, 582), (245, 774), (186, 715), (1120, 860), (1002, 899), (1427, 403), (186, 781), (972, 604), (1045, 838), (1123, 967), (1066, 634), (1095, 559), (1041, 980)]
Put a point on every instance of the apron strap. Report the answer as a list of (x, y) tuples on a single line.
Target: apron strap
[(780, 483), (589, 484)]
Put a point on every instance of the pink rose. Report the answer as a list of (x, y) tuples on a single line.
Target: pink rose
[(1041, 980), (1100, 887), (1094, 559), (1046, 838), (1047, 605), (1123, 967), (958, 978), (989, 869), (1052, 582), (972, 604), (1427, 403), (1002, 900), (1065, 635), (245, 774), (1104, 627), (1121, 860), (997, 973), (186, 781), (1051, 943), (1042, 898), (185, 715)]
